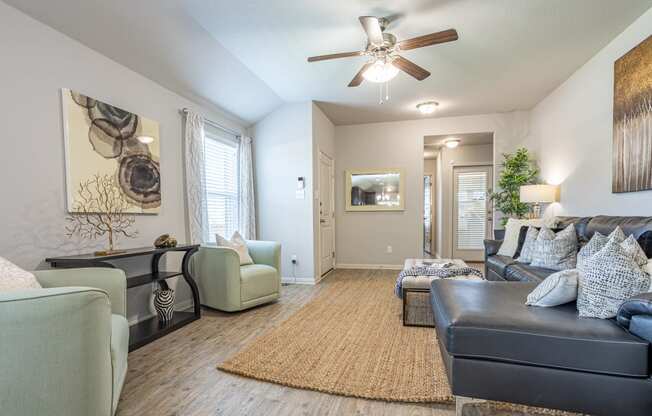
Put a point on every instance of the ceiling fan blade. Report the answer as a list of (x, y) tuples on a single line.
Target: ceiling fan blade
[(410, 68), (334, 56), (428, 40), (371, 26), (358, 78)]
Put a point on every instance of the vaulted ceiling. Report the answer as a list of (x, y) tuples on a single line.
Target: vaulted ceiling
[(249, 56)]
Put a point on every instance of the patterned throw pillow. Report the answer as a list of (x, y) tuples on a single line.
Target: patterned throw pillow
[(618, 235), (595, 244), (528, 245), (556, 289), (607, 279), (631, 247), (555, 251), (13, 277)]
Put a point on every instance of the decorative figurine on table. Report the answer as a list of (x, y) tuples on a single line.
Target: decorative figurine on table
[(165, 241)]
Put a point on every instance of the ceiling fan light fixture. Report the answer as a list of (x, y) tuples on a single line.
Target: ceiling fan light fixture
[(380, 71), (452, 143), (428, 107)]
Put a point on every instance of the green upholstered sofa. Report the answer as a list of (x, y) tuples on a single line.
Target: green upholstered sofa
[(63, 348), (226, 285)]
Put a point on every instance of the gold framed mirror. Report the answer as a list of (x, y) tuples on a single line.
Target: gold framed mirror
[(375, 190)]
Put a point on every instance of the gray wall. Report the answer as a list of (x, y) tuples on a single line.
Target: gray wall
[(571, 133), (36, 62), (283, 151), (362, 237)]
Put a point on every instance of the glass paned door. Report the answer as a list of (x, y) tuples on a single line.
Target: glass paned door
[(472, 214)]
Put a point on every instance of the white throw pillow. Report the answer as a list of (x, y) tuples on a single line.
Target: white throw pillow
[(238, 244), (557, 289), (512, 230), (14, 278)]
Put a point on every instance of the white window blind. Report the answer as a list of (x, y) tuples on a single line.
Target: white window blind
[(221, 170), (471, 212)]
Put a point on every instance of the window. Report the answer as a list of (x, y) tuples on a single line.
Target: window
[(471, 208), (221, 170)]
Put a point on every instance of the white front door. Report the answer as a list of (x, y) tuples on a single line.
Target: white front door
[(326, 214), (472, 211)]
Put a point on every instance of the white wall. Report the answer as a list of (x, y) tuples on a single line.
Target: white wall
[(571, 133), (459, 156), (37, 62), (283, 151), (323, 139), (362, 237)]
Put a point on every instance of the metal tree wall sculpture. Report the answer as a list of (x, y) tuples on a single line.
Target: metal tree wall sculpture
[(101, 209)]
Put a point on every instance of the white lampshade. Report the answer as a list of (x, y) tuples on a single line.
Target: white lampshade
[(536, 194)]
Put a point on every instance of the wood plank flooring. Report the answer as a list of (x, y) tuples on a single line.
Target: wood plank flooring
[(176, 374)]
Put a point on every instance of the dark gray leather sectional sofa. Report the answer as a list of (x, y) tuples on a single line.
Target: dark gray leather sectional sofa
[(496, 348)]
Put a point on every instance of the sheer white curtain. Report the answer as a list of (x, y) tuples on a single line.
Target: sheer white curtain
[(195, 178), (246, 201)]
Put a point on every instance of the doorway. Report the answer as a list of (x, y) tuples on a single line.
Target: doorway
[(472, 211), (326, 214)]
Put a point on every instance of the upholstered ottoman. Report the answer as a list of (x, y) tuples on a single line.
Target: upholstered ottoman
[(415, 292)]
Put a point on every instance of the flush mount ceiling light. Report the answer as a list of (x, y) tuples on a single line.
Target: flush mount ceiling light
[(145, 139), (428, 107), (452, 143), (380, 71)]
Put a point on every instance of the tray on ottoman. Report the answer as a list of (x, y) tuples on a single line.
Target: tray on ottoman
[(416, 292)]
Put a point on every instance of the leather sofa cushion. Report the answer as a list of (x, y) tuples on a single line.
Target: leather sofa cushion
[(640, 227), (257, 280), (520, 272), (499, 263), (489, 320)]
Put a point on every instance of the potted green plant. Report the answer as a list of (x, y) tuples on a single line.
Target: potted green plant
[(518, 169)]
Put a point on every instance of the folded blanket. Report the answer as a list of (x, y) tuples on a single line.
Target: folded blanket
[(440, 271)]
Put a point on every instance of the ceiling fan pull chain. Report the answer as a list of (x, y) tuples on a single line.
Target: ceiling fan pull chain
[(387, 91)]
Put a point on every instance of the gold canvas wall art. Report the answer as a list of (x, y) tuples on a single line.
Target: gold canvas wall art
[(101, 139), (632, 124)]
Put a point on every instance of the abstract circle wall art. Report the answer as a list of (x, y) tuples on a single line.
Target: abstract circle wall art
[(106, 140)]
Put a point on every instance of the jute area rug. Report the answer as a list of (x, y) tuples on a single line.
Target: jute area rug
[(349, 340)]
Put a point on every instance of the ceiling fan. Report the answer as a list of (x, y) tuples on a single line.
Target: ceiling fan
[(383, 48)]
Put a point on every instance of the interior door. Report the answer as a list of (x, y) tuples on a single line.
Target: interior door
[(427, 213), (326, 214), (472, 211)]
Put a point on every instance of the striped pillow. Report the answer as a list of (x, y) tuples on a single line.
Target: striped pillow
[(555, 251), (556, 289)]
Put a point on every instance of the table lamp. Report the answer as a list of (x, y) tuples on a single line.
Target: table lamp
[(538, 194)]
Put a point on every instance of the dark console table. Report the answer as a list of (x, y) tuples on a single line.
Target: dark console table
[(151, 329)]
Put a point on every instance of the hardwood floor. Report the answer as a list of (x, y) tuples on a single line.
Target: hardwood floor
[(177, 375)]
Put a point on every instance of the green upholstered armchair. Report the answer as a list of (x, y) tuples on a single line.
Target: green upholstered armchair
[(227, 286), (63, 348)]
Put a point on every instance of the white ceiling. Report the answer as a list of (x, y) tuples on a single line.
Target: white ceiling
[(511, 53), (249, 56), (157, 39), (466, 139)]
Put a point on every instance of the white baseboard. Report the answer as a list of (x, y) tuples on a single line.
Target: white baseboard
[(298, 280), (370, 266), (179, 306)]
